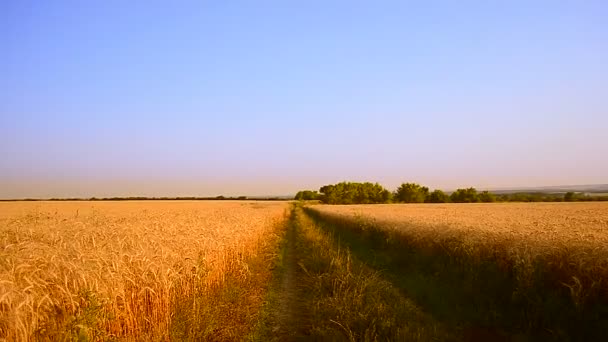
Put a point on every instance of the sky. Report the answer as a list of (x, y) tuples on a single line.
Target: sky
[(205, 98)]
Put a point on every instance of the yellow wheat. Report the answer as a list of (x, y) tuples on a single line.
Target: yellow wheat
[(119, 269)]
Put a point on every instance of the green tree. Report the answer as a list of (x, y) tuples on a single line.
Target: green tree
[(307, 195), (411, 193), (354, 193), (487, 197), (437, 196), (569, 196), (468, 195)]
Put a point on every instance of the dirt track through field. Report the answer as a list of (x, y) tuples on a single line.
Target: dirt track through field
[(287, 309), (315, 297)]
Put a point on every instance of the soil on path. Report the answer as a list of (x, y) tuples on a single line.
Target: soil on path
[(287, 315)]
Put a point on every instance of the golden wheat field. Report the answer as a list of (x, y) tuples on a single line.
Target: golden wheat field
[(535, 223), (121, 269), (569, 239), (522, 230)]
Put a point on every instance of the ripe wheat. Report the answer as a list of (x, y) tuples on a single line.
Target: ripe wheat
[(119, 269)]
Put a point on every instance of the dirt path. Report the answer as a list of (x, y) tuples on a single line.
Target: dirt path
[(287, 313), (321, 293)]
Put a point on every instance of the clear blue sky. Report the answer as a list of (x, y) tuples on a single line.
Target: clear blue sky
[(103, 98)]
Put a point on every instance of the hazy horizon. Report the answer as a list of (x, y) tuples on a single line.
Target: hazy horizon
[(122, 190), (111, 98)]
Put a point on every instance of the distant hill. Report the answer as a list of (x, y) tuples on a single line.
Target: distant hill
[(588, 188)]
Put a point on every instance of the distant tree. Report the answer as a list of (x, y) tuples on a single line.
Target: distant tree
[(437, 196), (328, 194), (354, 193), (487, 197), (569, 196), (307, 195), (468, 195), (411, 193)]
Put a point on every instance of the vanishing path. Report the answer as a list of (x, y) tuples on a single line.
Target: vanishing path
[(285, 313), (288, 307), (322, 292), (336, 284)]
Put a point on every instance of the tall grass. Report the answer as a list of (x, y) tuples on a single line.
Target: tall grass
[(530, 268), (345, 300), (128, 270)]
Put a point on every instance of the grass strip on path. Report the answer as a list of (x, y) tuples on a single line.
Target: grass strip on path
[(346, 300)]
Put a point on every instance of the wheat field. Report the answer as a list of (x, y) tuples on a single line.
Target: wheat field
[(532, 224), (128, 270), (550, 260), (576, 233)]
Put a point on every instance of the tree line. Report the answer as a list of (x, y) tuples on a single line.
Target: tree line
[(369, 193)]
